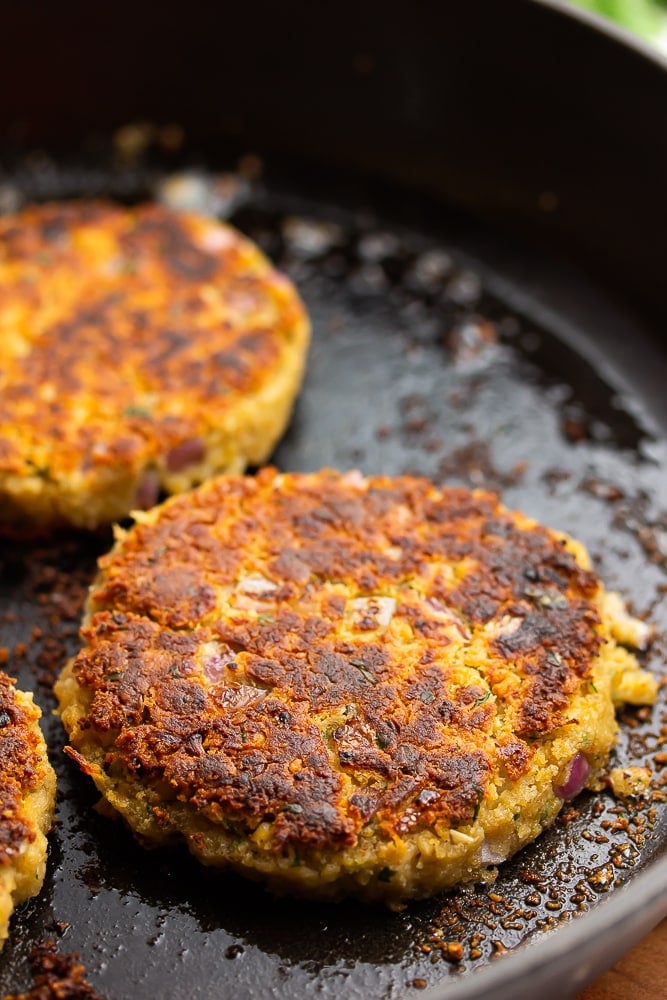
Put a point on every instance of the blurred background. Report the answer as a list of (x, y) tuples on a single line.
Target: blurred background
[(646, 18)]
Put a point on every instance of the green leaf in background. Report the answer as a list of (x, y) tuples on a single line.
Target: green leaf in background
[(644, 17)]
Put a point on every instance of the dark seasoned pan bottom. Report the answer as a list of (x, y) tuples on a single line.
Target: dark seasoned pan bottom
[(440, 351)]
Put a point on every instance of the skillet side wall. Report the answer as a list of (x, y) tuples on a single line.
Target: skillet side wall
[(492, 108), (512, 111)]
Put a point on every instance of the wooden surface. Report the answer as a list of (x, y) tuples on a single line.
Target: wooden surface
[(639, 975)]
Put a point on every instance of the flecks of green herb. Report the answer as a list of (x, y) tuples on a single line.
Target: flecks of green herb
[(480, 796), (480, 701), (293, 807), (382, 740), (115, 675), (137, 411), (516, 816), (386, 874), (545, 599), (157, 554), (427, 697), (236, 836), (265, 618), (364, 671), (537, 596), (296, 861), (174, 670), (43, 471), (592, 686)]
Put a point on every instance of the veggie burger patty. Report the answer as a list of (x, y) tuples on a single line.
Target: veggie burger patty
[(27, 797), (342, 684), (140, 349)]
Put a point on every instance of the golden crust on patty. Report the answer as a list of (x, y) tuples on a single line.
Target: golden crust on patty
[(342, 684), (139, 348), (27, 795)]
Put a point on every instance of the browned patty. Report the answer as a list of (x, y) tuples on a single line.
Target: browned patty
[(323, 665), (139, 348), (27, 791)]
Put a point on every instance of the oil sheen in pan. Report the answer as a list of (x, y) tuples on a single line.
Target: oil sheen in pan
[(427, 358)]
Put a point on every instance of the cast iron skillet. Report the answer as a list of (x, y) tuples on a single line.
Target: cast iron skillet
[(472, 203)]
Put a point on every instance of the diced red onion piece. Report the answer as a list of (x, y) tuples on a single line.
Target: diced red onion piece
[(257, 585), (447, 614), (148, 490), (490, 855), (353, 478), (217, 238), (247, 602), (214, 667), (380, 608), (186, 453), (576, 779), (242, 695), (507, 625)]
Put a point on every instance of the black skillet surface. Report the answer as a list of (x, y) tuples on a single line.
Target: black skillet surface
[(441, 346), (428, 357)]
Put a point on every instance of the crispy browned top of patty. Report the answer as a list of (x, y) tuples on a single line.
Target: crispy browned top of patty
[(124, 332), (322, 651), (21, 769)]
